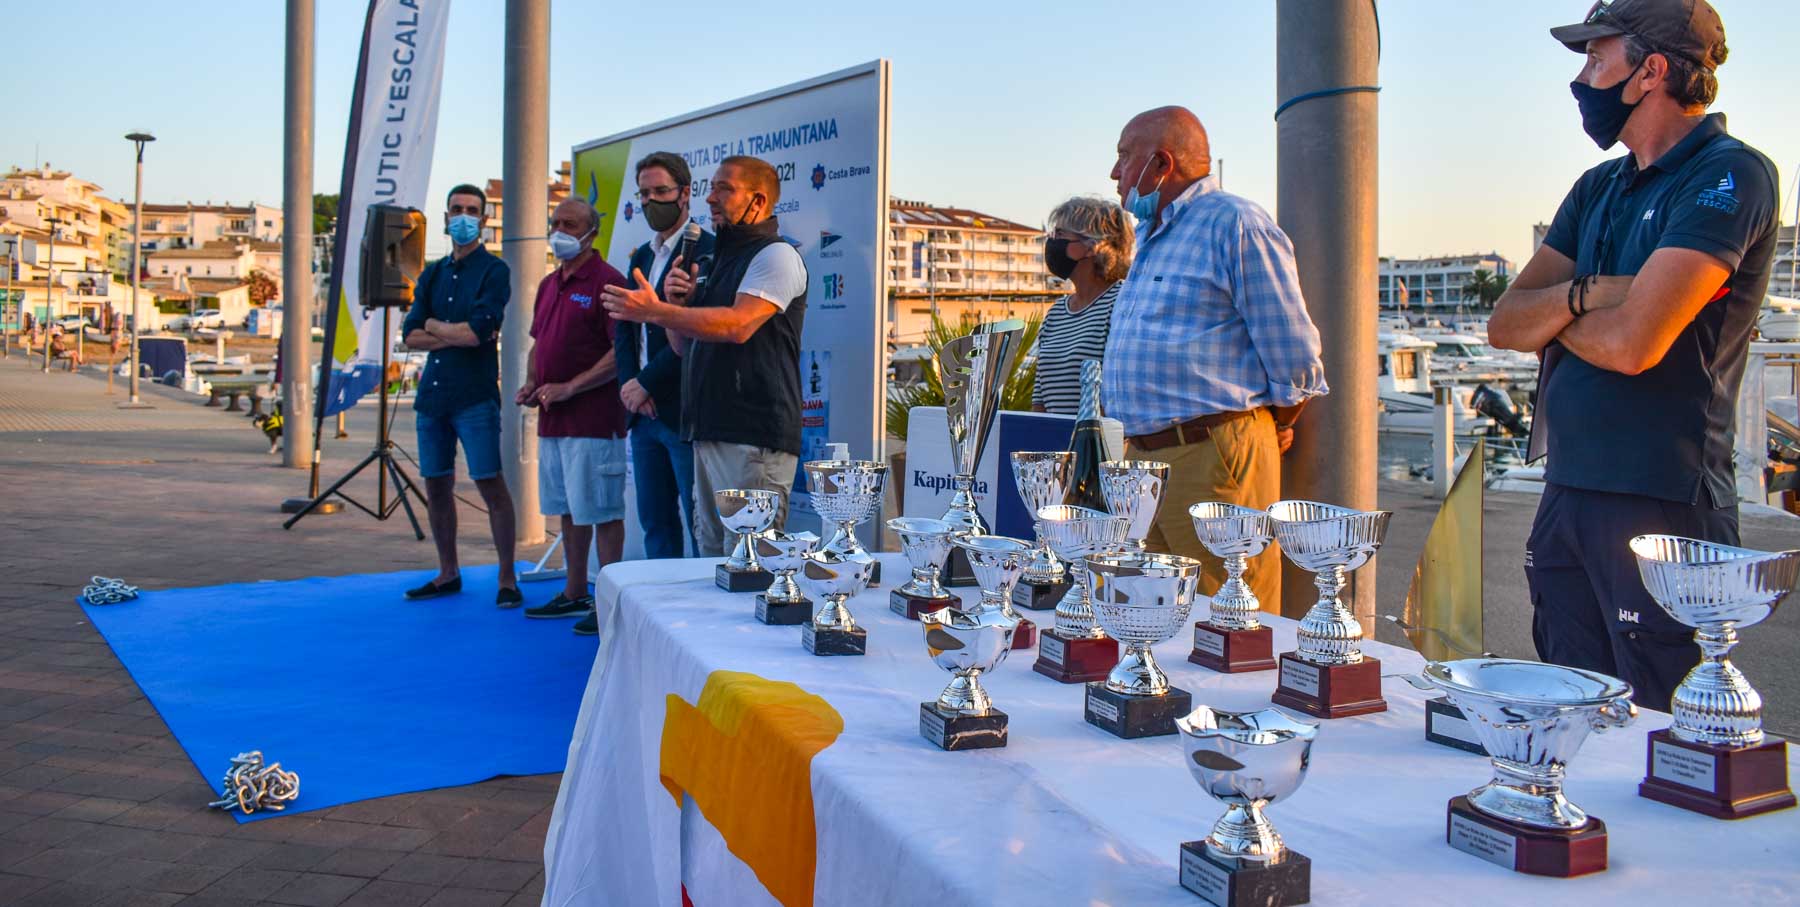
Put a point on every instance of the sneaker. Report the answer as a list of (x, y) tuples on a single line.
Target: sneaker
[(589, 625), (433, 589), (562, 606), (508, 598)]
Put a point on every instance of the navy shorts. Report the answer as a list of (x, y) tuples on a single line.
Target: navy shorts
[(477, 426), (1589, 606)]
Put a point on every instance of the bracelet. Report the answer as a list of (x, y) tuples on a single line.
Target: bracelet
[(1585, 282), (1573, 285)]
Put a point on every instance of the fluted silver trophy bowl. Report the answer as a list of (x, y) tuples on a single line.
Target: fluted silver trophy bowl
[(1246, 760), (830, 578), (1134, 490), (845, 493), (926, 543), (1532, 718), (1043, 479), (1076, 533), (972, 369), (1328, 541), (967, 644), (1140, 600), (745, 513), (1235, 535), (1716, 589), (781, 554), (997, 562)]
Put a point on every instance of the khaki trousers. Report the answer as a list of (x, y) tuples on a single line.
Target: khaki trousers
[(718, 466), (1238, 463)]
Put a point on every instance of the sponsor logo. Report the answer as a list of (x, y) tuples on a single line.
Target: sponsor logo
[(818, 176), (834, 286), (942, 482), (1650, 213), (1720, 198), (1628, 617), (827, 239), (787, 206), (583, 300), (628, 212)]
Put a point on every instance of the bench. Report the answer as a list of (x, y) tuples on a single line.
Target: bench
[(232, 391)]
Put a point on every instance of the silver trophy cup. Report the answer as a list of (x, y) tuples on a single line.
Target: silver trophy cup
[(831, 578), (972, 370), (1532, 718), (1246, 760), (1235, 535), (1715, 589), (782, 554), (1075, 533), (746, 513), (997, 562), (1140, 600), (1134, 490), (1043, 479), (926, 543), (845, 493), (967, 644), (1328, 542)]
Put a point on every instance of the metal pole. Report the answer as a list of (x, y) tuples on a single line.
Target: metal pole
[(1325, 186), (524, 168), (296, 241), (49, 291), (1443, 439), (12, 258), (137, 249)]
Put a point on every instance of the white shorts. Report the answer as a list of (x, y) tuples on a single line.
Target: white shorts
[(582, 477)]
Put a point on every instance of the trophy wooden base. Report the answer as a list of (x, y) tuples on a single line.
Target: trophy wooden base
[(957, 572), (912, 606), (1446, 725), (952, 731), (1233, 651), (1130, 717), (1039, 596), (1724, 782), (742, 580), (1330, 691), (1525, 848), (1026, 635), (782, 614), (833, 641), (1231, 882), (1076, 660)]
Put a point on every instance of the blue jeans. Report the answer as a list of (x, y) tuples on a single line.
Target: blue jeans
[(476, 425), (663, 468)]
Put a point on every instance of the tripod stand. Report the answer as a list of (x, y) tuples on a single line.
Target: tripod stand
[(382, 457)]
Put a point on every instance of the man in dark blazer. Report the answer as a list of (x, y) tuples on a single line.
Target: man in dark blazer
[(650, 372)]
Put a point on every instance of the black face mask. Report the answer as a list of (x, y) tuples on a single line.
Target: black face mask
[(1056, 257), (661, 215), (1603, 110), (743, 220)]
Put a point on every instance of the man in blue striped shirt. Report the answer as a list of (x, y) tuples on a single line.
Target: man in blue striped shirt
[(1211, 354)]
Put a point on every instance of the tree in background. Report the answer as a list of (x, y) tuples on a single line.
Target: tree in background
[(1014, 395), (325, 208), (1485, 287), (262, 287)]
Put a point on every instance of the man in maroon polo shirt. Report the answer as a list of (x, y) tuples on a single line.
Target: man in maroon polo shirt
[(572, 378)]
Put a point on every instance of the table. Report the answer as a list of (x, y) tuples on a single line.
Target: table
[(1065, 814)]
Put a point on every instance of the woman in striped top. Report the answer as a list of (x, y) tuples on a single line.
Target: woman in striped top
[(1089, 244)]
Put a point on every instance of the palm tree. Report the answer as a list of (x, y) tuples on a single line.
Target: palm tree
[(1484, 288), (1014, 395)]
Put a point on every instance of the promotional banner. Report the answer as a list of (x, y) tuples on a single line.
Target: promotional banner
[(387, 161), (827, 138)]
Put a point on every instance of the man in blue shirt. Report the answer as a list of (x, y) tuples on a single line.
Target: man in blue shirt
[(457, 307), (1641, 302)]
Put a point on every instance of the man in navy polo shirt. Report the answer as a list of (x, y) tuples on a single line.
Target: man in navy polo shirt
[(572, 376), (1641, 302)]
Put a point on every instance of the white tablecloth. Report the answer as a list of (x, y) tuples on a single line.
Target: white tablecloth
[(1066, 814)]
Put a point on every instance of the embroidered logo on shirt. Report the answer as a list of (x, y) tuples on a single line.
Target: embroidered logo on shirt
[(1650, 213), (1627, 617), (1721, 199), (583, 300)]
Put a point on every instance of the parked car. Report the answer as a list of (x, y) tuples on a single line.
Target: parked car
[(70, 322), (206, 318)]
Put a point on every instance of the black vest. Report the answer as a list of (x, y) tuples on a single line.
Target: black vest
[(744, 393)]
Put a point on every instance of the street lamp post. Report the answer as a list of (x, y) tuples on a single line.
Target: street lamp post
[(50, 290), (12, 256), (137, 250)]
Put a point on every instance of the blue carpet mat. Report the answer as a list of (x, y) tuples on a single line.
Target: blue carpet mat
[(361, 692)]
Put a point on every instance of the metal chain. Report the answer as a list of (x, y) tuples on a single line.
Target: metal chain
[(250, 785), (104, 590)]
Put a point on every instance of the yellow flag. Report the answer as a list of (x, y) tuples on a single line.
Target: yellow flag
[(1445, 595)]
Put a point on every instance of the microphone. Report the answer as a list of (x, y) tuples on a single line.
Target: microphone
[(685, 249)]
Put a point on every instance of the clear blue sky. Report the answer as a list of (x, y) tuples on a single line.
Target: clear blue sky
[(1006, 107)]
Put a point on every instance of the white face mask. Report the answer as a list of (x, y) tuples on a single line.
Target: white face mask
[(565, 247)]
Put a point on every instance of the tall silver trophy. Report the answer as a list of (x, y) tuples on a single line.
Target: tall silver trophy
[(1042, 477), (784, 604), (1715, 759), (1134, 490), (1329, 676), (1140, 599), (967, 644), (1232, 638), (745, 513), (832, 578), (1076, 650), (845, 493), (1532, 718), (926, 544), (1246, 760), (972, 370)]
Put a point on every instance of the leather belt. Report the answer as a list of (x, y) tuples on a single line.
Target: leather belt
[(1192, 431)]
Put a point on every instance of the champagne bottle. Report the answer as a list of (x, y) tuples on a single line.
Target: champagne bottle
[(1088, 444)]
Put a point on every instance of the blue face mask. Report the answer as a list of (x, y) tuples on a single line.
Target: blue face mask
[(1143, 207), (464, 229)]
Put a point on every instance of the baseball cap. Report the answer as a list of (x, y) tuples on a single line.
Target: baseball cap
[(1691, 28)]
